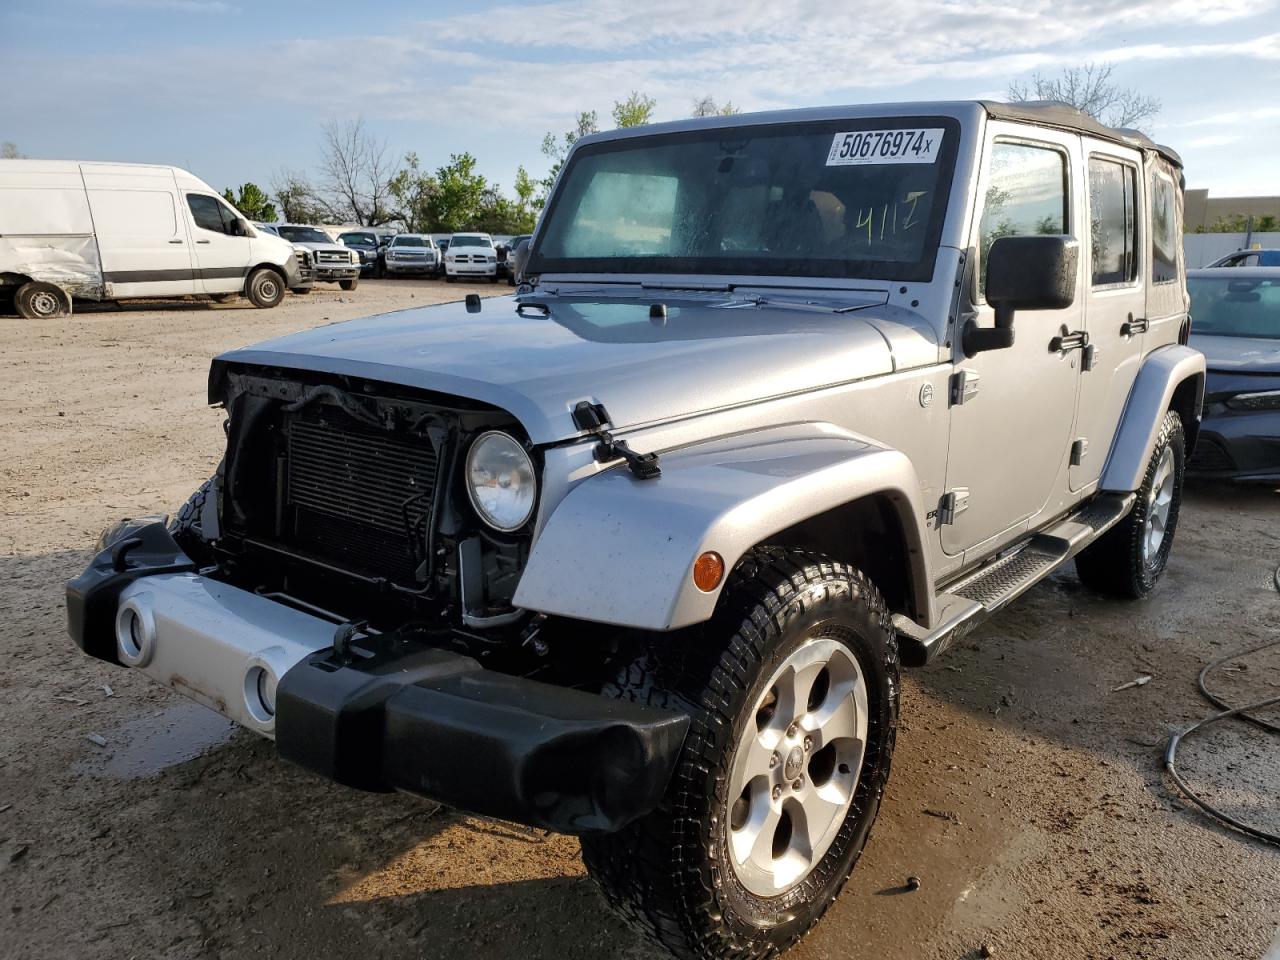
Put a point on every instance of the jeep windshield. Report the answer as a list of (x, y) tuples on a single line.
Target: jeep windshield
[(846, 198)]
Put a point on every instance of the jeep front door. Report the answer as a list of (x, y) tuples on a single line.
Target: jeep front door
[(222, 257), (1115, 311), (1013, 409)]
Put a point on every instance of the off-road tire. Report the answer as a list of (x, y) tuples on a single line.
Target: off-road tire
[(185, 525), (669, 874), (35, 300), (348, 284), (265, 288), (1115, 564)]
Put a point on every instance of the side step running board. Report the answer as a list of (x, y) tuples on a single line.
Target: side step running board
[(967, 601)]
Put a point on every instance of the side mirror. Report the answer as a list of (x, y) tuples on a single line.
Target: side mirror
[(240, 228), (519, 257), (1024, 273)]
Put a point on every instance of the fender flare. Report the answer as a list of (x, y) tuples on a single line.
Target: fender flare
[(1163, 371), (619, 550)]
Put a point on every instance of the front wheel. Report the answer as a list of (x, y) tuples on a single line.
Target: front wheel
[(348, 284), (265, 288), (450, 278), (792, 688), (1128, 559)]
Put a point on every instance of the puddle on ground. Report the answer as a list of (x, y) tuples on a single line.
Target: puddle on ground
[(144, 746)]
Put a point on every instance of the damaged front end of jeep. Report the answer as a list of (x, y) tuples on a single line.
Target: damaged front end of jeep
[(341, 589)]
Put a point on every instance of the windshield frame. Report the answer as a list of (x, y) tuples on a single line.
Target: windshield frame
[(757, 267)]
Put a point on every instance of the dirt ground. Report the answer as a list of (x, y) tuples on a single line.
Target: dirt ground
[(1027, 792)]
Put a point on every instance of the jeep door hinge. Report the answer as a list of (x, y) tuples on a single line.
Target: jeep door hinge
[(964, 386), (1079, 450), (953, 503)]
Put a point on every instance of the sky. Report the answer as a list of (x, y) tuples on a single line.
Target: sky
[(237, 90)]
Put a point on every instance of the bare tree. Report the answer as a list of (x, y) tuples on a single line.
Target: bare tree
[(707, 107), (9, 151), (1091, 89), (297, 198), (358, 172)]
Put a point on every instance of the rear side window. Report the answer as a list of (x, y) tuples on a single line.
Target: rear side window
[(1026, 194), (206, 211), (1164, 230), (1113, 228)]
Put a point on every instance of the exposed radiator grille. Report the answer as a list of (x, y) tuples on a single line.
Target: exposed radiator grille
[(332, 256), (358, 494)]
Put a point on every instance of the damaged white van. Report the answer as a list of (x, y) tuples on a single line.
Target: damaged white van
[(115, 231)]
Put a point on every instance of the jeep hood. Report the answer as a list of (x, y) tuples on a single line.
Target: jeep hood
[(538, 364)]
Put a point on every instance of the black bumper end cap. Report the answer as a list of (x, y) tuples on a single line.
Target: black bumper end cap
[(439, 725), (93, 596)]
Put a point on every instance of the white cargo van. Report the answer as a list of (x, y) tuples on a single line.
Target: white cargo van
[(112, 231)]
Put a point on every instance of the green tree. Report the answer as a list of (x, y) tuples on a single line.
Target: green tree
[(635, 111), (10, 151), (412, 190), (458, 197), (252, 202)]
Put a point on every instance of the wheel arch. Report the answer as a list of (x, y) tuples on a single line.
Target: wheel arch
[(276, 268), (1170, 378), (619, 550)]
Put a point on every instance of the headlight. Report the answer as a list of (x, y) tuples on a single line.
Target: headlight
[(501, 481), (1265, 400), (355, 257)]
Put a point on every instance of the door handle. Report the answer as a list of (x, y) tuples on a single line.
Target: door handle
[(1132, 326), (202, 241), (1065, 342), (175, 241)]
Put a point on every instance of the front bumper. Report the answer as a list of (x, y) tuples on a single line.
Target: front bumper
[(428, 722), (472, 269), (411, 266), (1238, 446), (332, 273)]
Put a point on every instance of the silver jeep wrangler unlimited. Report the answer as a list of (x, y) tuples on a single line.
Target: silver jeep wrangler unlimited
[(783, 401)]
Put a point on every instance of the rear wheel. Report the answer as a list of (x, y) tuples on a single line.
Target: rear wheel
[(348, 284), (300, 291), (265, 288), (41, 301), (793, 693), (224, 297), (1128, 559)]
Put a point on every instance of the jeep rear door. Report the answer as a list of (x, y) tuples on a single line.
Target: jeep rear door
[(1011, 435), (1113, 261)]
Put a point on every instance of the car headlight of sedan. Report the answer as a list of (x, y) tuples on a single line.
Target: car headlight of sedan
[(501, 481), (1264, 400)]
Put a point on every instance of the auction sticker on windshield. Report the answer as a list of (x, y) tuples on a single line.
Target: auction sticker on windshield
[(885, 146)]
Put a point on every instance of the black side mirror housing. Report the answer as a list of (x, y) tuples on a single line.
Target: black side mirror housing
[(1024, 273), (240, 228)]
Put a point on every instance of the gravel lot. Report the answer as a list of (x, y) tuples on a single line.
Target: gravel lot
[(1027, 792)]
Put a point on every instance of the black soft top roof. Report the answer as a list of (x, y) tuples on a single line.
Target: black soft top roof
[(1054, 113)]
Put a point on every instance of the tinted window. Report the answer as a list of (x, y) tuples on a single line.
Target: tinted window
[(1113, 228), (464, 240), (206, 211), (303, 235), (846, 198), (1164, 230), (1026, 194), (1235, 308), (408, 242)]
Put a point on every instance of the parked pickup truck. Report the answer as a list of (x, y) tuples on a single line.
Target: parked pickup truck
[(119, 231), (784, 402), (332, 262)]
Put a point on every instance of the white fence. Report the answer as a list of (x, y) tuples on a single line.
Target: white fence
[(1203, 248)]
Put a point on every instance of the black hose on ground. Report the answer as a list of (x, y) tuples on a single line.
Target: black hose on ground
[(1244, 713)]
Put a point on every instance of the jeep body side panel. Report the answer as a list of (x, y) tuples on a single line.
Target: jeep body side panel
[(1163, 371), (620, 550)]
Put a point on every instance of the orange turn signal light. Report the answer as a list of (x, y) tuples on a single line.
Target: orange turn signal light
[(708, 571)]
